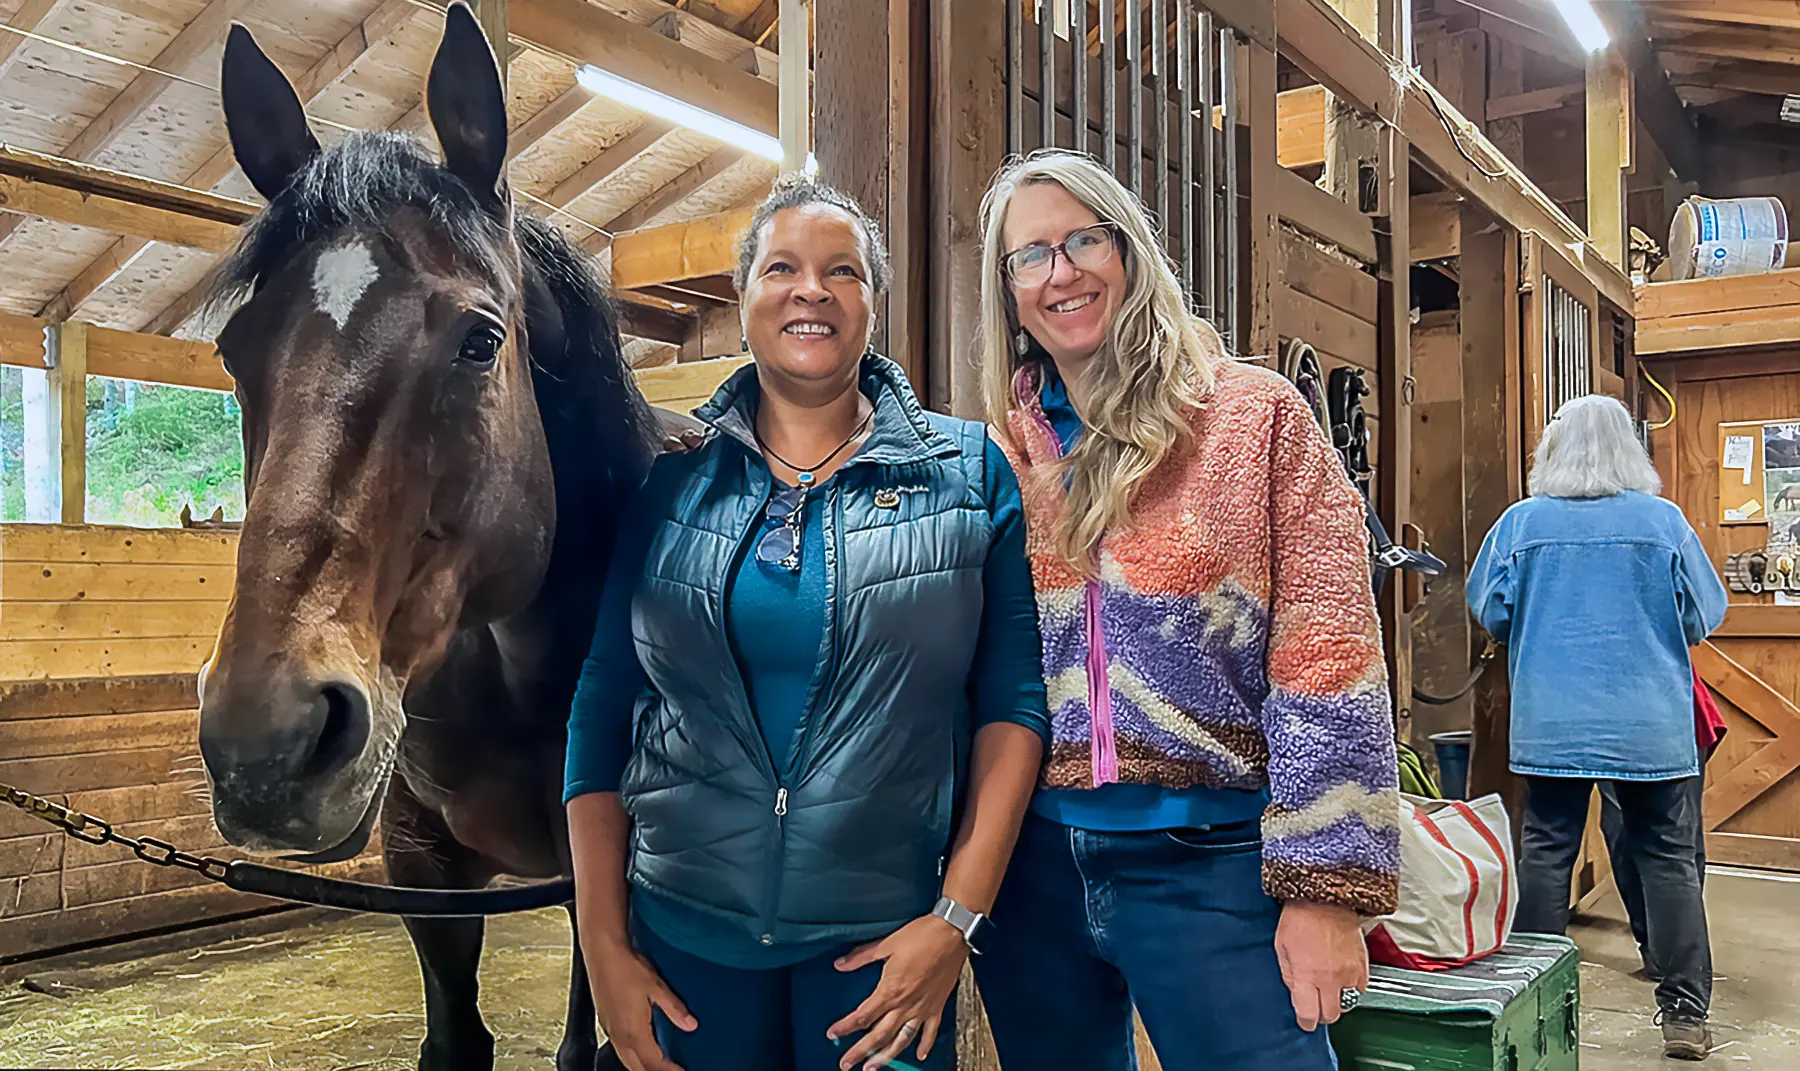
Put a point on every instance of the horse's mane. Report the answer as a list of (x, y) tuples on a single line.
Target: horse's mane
[(364, 179)]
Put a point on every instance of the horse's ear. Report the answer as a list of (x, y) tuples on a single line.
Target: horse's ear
[(467, 106), (263, 115)]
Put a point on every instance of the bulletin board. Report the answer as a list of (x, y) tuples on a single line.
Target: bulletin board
[(1759, 474)]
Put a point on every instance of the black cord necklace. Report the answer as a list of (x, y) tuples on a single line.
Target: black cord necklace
[(805, 475)]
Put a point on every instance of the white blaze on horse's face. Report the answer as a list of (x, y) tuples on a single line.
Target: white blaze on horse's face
[(341, 276)]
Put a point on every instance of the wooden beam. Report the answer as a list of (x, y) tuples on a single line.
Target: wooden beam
[(615, 156), (68, 377), (1777, 293), (1262, 208), (1652, 98), (1777, 13), (155, 359), (1607, 94), (546, 120), (1352, 137), (1538, 100), (642, 319), (665, 197), (31, 197), (1714, 330), (22, 341), (678, 251), (1300, 133), (29, 17), (179, 56), (1317, 40), (1768, 79), (587, 33), (1323, 216), (381, 25), (492, 15), (762, 21), (89, 181), (1436, 226), (1734, 42)]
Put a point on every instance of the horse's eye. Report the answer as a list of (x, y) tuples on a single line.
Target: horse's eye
[(482, 344)]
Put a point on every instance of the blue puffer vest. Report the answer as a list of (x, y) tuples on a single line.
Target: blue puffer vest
[(848, 841)]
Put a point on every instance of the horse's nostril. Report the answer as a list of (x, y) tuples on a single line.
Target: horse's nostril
[(342, 713)]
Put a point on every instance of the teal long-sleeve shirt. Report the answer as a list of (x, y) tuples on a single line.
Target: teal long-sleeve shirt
[(1597, 601), (775, 620)]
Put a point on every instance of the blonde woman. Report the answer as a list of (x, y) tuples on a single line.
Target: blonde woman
[(1219, 810)]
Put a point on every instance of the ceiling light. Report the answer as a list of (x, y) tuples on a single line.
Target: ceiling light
[(647, 100), (1589, 31)]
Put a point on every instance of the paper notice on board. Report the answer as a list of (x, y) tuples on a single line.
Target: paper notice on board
[(1744, 512), (1740, 452)]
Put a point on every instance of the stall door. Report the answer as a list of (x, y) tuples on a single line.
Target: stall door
[(1752, 664)]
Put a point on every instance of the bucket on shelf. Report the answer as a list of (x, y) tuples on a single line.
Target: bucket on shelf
[(1738, 236), (1453, 762)]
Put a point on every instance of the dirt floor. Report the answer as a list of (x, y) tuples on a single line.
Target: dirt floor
[(337, 994)]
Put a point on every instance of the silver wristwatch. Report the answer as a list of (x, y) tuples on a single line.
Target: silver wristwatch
[(973, 925)]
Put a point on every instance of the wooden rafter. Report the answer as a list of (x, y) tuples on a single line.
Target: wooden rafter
[(89, 196), (1537, 100), (615, 156), (179, 56), (1731, 42), (1768, 79), (29, 17), (761, 22), (1777, 13), (678, 252), (381, 25), (668, 196)]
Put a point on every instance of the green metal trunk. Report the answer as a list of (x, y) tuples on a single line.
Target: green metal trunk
[(1517, 1010)]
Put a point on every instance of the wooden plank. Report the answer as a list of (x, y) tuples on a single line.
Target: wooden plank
[(587, 33), (104, 213), (156, 359), (1309, 270), (678, 251), (96, 695), (69, 343), (22, 341), (1775, 13), (38, 582), (1300, 134), (1436, 226), (640, 319), (665, 197), (1768, 290), (1321, 43), (37, 933), (35, 738), (193, 832), (77, 773), (1514, 105), (696, 379), (1749, 849), (1743, 621), (132, 190), (29, 17), (1262, 208), (1323, 216), (35, 853), (1714, 330), (34, 895), (1330, 330), (130, 656), (116, 544), (122, 881), (612, 158), (88, 620)]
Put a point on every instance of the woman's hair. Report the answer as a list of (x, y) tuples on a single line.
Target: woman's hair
[(1142, 385), (796, 190), (1591, 450)]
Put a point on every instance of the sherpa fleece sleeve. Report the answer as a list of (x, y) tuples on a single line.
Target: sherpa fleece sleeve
[(1331, 832)]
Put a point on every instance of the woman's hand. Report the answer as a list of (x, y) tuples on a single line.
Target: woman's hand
[(1321, 951), (924, 959), (680, 432), (626, 990)]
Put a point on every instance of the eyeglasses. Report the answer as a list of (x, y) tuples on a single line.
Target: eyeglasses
[(1088, 248), (780, 545)]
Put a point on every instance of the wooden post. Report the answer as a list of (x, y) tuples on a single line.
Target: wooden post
[(968, 142), (1352, 139), (1261, 210), (1393, 465), (871, 125), (492, 16), (68, 397), (1506, 77), (795, 36), (1607, 91)]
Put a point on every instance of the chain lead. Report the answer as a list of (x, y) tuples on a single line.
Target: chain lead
[(95, 831)]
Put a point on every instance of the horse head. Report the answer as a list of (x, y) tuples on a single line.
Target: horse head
[(398, 478)]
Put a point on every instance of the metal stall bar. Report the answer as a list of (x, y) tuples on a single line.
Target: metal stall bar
[(1184, 77), (1208, 237), (1159, 97), (1078, 32), (1015, 76), (1231, 240), (1046, 26), (1109, 83), (1134, 93)]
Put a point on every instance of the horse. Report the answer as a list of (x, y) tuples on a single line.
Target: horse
[(441, 438)]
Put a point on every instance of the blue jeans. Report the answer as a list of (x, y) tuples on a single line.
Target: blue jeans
[(1089, 924), (773, 1020)]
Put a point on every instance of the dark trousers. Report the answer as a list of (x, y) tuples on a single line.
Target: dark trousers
[(1625, 872), (771, 1020), (1089, 924), (1659, 827)]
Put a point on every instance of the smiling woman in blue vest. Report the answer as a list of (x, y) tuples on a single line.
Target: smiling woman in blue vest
[(813, 716)]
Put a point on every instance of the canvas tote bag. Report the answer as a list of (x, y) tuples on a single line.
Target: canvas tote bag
[(1458, 885)]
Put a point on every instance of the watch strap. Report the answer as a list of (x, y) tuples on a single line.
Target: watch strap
[(968, 923)]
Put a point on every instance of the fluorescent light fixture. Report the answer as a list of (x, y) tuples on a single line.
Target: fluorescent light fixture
[(1589, 31), (644, 99)]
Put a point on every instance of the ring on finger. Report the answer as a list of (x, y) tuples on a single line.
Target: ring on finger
[(909, 1028), (1349, 998)]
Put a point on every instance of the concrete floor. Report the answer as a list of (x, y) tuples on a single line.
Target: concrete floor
[(343, 995)]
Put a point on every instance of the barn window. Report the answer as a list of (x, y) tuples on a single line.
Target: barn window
[(153, 448)]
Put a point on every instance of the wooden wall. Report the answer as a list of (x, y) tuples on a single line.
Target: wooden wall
[(102, 631)]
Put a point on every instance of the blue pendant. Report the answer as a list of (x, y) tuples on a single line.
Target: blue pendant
[(806, 479)]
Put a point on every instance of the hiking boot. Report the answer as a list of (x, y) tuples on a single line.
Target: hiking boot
[(1685, 1037)]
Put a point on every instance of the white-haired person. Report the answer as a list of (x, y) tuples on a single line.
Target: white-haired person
[(1219, 812), (1598, 588)]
